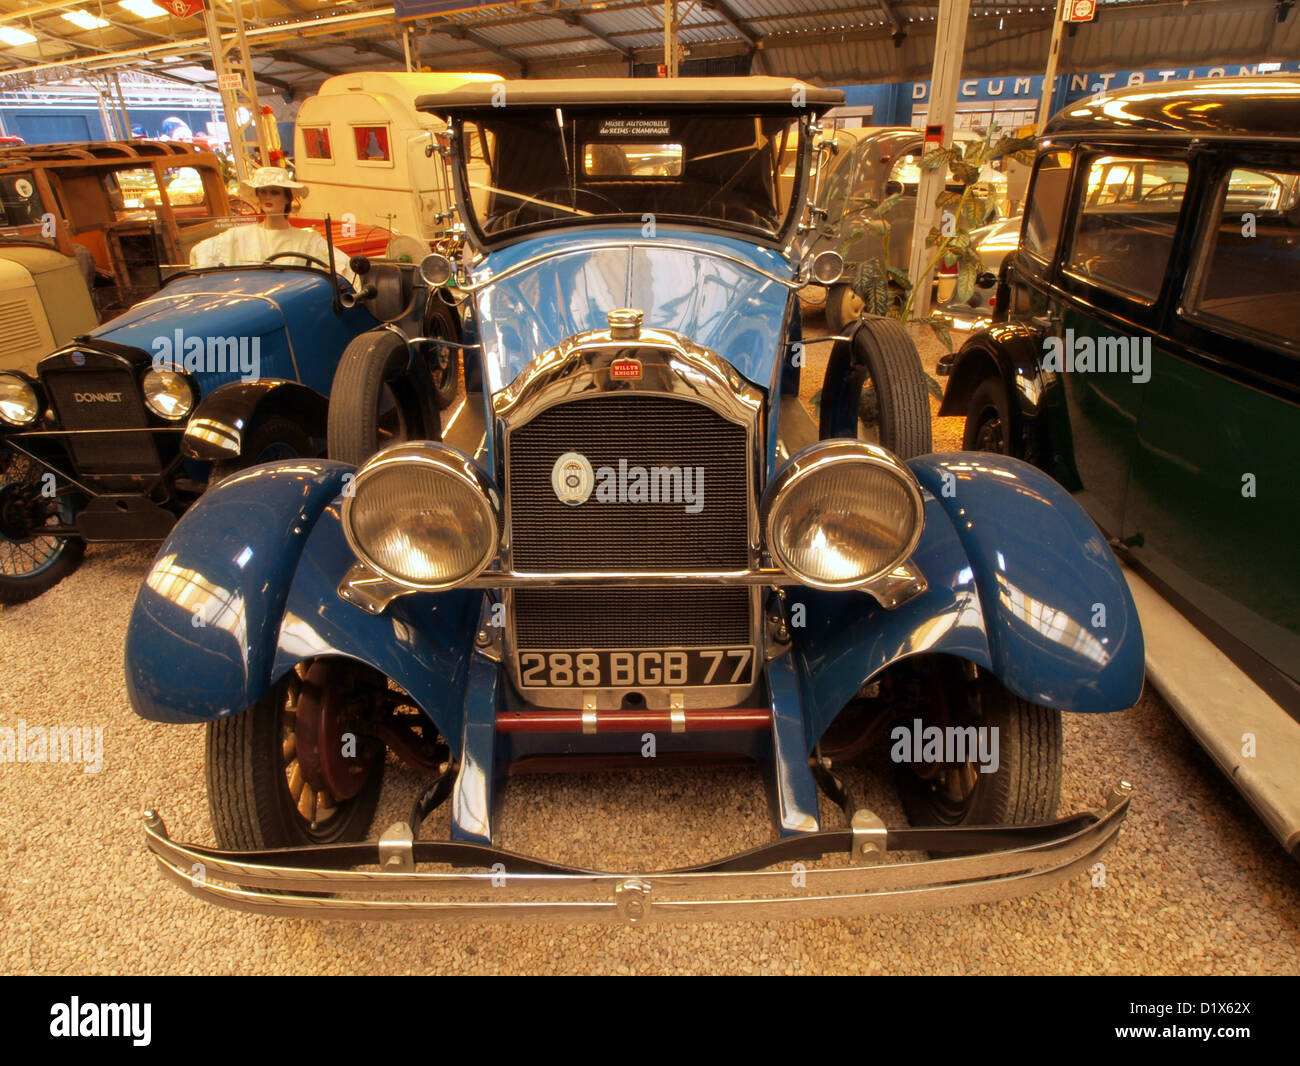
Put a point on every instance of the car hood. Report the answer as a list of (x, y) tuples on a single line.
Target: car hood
[(555, 286), (224, 304)]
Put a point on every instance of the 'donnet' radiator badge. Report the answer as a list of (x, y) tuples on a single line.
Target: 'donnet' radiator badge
[(572, 478)]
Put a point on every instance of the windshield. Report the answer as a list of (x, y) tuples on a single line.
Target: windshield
[(528, 168)]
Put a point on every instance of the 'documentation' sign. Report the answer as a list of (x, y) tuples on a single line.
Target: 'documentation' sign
[(1030, 87)]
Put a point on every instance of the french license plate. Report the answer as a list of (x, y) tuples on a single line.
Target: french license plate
[(678, 668)]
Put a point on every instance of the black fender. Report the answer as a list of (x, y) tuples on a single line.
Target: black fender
[(217, 428), (1013, 354)]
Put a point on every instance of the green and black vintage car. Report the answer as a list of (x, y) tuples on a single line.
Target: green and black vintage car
[(1146, 353)]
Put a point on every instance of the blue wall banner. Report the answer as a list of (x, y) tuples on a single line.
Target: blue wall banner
[(892, 103)]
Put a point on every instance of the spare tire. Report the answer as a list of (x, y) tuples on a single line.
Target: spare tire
[(875, 390)]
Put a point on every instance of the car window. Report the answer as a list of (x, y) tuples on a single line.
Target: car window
[(1125, 229), (184, 187), (1249, 279), (133, 193), (1046, 204), (20, 202), (548, 167), (613, 159)]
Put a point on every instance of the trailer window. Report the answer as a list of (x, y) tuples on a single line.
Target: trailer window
[(372, 144), (316, 142)]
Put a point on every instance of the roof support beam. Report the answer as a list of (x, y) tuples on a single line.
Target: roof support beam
[(728, 15), (376, 48), (458, 32), (582, 22), (281, 56)]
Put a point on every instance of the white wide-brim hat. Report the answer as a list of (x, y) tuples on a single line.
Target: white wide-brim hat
[(271, 178)]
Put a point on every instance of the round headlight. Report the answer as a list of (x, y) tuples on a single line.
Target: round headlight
[(19, 404), (423, 515), (168, 394), (841, 513)]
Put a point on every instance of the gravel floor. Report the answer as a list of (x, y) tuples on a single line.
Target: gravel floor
[(1194, 885)]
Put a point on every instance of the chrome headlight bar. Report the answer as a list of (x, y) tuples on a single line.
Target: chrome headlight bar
[(841, 514)]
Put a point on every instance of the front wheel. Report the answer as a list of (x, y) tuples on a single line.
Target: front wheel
[(31, 561), (444, 361), (1001, 755), (987, 420), (271, 439), (379, 398), (293, 769)]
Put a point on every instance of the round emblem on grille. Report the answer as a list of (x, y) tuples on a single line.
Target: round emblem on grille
[(572, 479)]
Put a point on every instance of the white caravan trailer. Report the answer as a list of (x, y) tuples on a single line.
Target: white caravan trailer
[(360, 145)]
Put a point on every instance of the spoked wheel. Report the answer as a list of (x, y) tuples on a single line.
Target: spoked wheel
[(379, 397), (444, 361), (295, 768), (1004, 771), (31, 561), (875, 390)]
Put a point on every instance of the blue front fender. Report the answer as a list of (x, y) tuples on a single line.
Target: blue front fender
[(1020, 583), (245, 587)]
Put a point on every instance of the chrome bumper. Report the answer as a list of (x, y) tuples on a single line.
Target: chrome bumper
[(265, 882)]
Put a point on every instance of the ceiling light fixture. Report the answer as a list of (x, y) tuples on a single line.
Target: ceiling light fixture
[(84, 19), (11, 35), (145, 9)]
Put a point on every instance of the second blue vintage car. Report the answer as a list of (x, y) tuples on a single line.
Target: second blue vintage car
[(632, 547), (121, 429)]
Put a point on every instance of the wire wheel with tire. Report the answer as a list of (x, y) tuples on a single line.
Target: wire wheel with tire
[(875, 390), (32, 561), (444, 361), (271, 438), (295, 768), (1007, 772), (380, 397)]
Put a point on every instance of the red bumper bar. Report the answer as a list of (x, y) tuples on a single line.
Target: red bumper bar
[(682, 721)]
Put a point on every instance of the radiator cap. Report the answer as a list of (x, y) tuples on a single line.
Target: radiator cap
[(625, 323)]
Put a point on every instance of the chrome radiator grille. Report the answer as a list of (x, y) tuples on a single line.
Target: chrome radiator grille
[(633, 430), (631, 617), (547, 536)]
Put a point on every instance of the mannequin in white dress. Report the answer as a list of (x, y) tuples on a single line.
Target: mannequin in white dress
[(274, 192)]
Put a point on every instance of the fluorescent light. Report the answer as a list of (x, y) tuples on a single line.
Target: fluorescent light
[(14, 36), (145, 9), (84, 19)]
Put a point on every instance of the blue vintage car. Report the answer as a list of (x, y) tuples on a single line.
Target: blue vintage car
[(120, 430), (633, 547)]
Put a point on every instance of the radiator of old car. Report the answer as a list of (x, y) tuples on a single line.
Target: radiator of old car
[(102, 398), (710, 533)]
